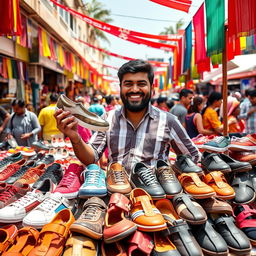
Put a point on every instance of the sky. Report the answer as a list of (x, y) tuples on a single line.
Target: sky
[(147, 9)]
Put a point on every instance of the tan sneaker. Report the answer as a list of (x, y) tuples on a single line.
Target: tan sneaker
[(117, 180)]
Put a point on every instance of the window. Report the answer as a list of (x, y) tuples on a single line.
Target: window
[(72, 23)]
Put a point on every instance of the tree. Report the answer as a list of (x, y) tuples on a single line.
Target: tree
[(97, 11)]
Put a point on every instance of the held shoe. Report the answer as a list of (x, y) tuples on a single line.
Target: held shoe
[(144, 178), (117, 226), (7, 235), (117, 180), (91, 220), (167, 179), (84, 117), (144, 213), (12, 179), (185, 164), (45, 211), (11, 169), (71, 182), (94, 182), (53, 236)]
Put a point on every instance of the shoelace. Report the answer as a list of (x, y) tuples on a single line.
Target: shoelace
[(90, 212), (20, 171), (218, 139), (67, 179), (118, 176), (148, 177), (92, 177), (24, 200), (4, 162), (9, 192), (167, 174), (10, 168), (49, 204), (33, 172)]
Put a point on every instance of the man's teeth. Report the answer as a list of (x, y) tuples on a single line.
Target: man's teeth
[(135, 96)]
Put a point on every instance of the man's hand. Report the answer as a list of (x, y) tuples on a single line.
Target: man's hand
[(1, 129), (9, 136), (67, 124), (26, 135)]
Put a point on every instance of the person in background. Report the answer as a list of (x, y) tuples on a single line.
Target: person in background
[(210, 116), (48, 122), (161, 103), (170, 103), (181, 109), (194, 120), (4, 118), (96, 107), (29, 107), (111, 102), (23, 125), (237, 126)]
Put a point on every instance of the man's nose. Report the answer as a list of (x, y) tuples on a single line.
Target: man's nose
[(135, 87)]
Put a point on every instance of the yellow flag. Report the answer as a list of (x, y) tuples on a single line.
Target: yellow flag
[(46, 48), (9, 68), (243, 43)]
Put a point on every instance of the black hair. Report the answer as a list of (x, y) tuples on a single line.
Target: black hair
[(54, 97), (248, 91), (135, 66), (161, 99), (194, 106), (108, 99), (214, 96), (185, 93), (252, 93), (20, 103), (95, 100), (170, 103)]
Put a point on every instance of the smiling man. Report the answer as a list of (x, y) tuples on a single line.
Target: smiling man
[(138, 131)]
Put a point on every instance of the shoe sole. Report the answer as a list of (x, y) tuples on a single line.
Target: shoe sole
[(85, 231), (120, 236), (86, 125), (173, 195), (244, 169), (15, 219), (120, 192), (229, 197), (215, 253), (221, 170), (151, 228), (238, 148), (215, 149), (202, 196), (69, 195), (178, 171), (91, 195), (237, 251)]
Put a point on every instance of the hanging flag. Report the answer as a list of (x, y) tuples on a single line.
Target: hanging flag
[(241, 18), (188, 48), (201, 60), (29, 33), (181, 5), (9, 68), (10, 18), (45, 43), (215, 19), (170, 69), (242, 43)]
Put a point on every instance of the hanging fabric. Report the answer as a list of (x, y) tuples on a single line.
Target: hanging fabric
[(181, 5), (45, 43), (188, 48), (215, 18)]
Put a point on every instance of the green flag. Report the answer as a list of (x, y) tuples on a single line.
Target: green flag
[(215, 18)]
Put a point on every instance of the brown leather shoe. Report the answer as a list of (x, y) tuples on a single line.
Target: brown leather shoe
[(91, 220), (117, 180)]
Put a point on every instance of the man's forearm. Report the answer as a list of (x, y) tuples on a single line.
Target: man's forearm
[(83, 151)]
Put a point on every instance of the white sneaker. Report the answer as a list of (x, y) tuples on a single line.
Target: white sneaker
[(16, 211), (45, 212)]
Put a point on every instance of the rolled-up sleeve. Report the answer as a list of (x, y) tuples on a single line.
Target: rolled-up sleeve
[(180, 141)]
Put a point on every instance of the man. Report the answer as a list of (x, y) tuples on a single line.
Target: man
[(47, 120), (96, 107), (181, 109), (23, 125), (248, 112), (4, 118), (161, 103), (138, 131), (111, 102)]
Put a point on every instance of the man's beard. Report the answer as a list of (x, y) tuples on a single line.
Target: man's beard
[(136, 107)]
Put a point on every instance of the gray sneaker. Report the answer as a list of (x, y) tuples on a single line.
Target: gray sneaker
[(91, 221), (84, 117), (218, 144)]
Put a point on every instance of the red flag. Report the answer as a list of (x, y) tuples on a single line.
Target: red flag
[(180, 5)]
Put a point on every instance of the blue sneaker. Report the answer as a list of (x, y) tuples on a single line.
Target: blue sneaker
[(94, 182)]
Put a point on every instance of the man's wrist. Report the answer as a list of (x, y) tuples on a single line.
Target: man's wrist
[(76, 140)]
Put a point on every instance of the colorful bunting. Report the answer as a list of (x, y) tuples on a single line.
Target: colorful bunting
[(188, 48), (181, 5)]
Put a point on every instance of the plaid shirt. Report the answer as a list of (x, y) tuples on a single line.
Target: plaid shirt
[(250, 121), (150, 141)]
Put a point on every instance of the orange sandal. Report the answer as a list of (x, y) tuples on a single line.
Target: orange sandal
[(195, 187), (24, 242), (219, 183), (7, 235), (53, 236)]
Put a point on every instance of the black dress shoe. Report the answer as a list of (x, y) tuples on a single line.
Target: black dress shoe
[(143, 177), (185, 164), (167, 179), (235, 238), (210, 241), (236, 166), (213, 162)]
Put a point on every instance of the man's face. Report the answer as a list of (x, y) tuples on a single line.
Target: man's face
[(252, 100), (18, 110), (135, 91), (186, 101)]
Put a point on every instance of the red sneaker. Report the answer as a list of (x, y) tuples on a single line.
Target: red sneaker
[(247, 143), (71, 182), (11, 169)]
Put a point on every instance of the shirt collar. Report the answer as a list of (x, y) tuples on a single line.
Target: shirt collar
[(150, 112)]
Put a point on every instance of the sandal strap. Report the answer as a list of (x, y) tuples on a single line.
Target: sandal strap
[(142, 242), (120, 201), (191, 176), (58, 229), (144, 201), (241, 220), (217, 177)]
